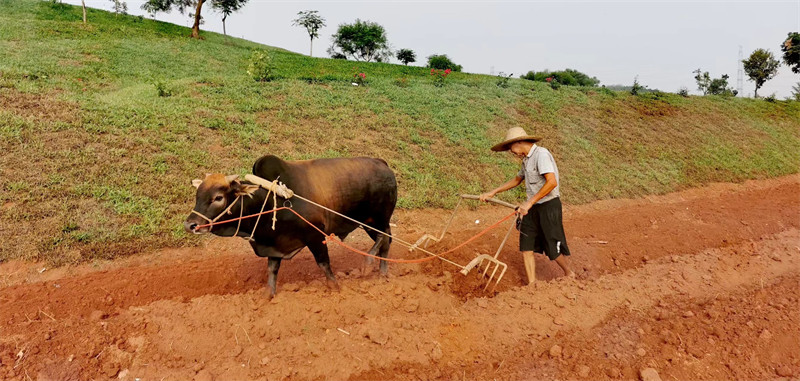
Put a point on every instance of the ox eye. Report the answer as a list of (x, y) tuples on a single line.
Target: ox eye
[(218, 199)]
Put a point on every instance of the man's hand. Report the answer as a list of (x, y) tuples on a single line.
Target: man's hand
[(523, 209), (486, 196)]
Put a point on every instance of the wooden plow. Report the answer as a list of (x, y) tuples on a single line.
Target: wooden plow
[(481, 260)]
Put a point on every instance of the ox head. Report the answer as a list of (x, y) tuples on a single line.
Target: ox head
[(214, 195)]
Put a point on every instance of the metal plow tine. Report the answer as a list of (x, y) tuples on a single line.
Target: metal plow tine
[(479, 260), (423, 241)]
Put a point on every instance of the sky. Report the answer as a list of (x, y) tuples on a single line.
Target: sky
[(660, 42)]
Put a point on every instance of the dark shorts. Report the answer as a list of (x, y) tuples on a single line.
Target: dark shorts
[(542, 231)]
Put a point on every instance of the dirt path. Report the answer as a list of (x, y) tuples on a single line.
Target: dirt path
[(692, 284)]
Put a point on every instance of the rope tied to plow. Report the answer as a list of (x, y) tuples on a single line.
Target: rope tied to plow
[(333, 238)]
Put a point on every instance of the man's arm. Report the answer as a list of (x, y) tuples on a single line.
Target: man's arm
[(549, 185), (508, 185)]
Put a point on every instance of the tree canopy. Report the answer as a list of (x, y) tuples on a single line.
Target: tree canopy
[(442, 62), (761, 66), (791, 51), (361, 41), (406, 56)]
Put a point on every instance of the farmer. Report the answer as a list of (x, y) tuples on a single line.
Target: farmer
[(541, 229)]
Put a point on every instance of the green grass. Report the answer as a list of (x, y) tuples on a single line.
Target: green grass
[(96, 164)]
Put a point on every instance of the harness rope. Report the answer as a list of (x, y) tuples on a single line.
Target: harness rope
[(333, 238)]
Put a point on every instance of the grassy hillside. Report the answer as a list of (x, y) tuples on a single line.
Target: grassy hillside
[(95, 163)]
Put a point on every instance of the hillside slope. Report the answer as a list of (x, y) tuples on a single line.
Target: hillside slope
[(95, 163)]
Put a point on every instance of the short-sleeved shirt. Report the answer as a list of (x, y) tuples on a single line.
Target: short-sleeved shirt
[(538, 162)]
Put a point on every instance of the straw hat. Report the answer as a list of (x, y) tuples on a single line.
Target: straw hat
[(514, 134)]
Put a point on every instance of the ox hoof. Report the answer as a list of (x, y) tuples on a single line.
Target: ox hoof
[(333, 285), (366, 270)]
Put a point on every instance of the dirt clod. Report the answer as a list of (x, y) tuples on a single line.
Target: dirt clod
[(378, 336), (555, 351), (649, 374)]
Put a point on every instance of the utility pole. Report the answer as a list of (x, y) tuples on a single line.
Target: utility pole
[(740, 73)]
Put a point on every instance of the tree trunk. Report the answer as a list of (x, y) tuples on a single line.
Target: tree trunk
[(311, 50), (755, 93), (223, 25), (196, 27), (84, 10)]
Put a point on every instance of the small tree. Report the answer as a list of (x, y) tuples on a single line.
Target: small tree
[(713, 86), (761, 67), (791, 52), (155, 6), (83, 5), (796, 91), (312, 21), (227, 7), (636, 88), (120, 7), (719, 86), (406, 56), (703, 81), (442, 62), (362, 41)]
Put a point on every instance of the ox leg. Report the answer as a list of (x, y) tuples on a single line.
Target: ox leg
[(272, 278), (384, 252), (380, 249), (320, 251)]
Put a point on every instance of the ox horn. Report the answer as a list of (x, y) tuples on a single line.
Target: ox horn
[(196, 183), (231, 178)]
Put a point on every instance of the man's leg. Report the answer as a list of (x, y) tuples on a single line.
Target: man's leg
[(562, 261), (530, 265)]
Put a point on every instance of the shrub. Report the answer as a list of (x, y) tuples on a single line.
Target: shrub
[(439, 76), (684, 92), (401, 82), (162, 89), (607, 91), (359, 78), (442, 62), (771, 98), (554, 83), (502, 80), (636, 88), (260, 66), (568, 77)]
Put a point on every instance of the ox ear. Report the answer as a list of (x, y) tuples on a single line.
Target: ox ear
[(231, 178), (245, 189), (196, 183)]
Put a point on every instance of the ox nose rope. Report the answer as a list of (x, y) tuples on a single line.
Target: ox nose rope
[(226, 211), (241, 212)]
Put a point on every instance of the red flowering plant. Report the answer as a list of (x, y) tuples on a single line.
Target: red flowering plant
[(439, 76), (359, 78), (553, 81)]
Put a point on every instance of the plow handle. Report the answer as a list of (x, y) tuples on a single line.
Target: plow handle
[(492, 200)]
